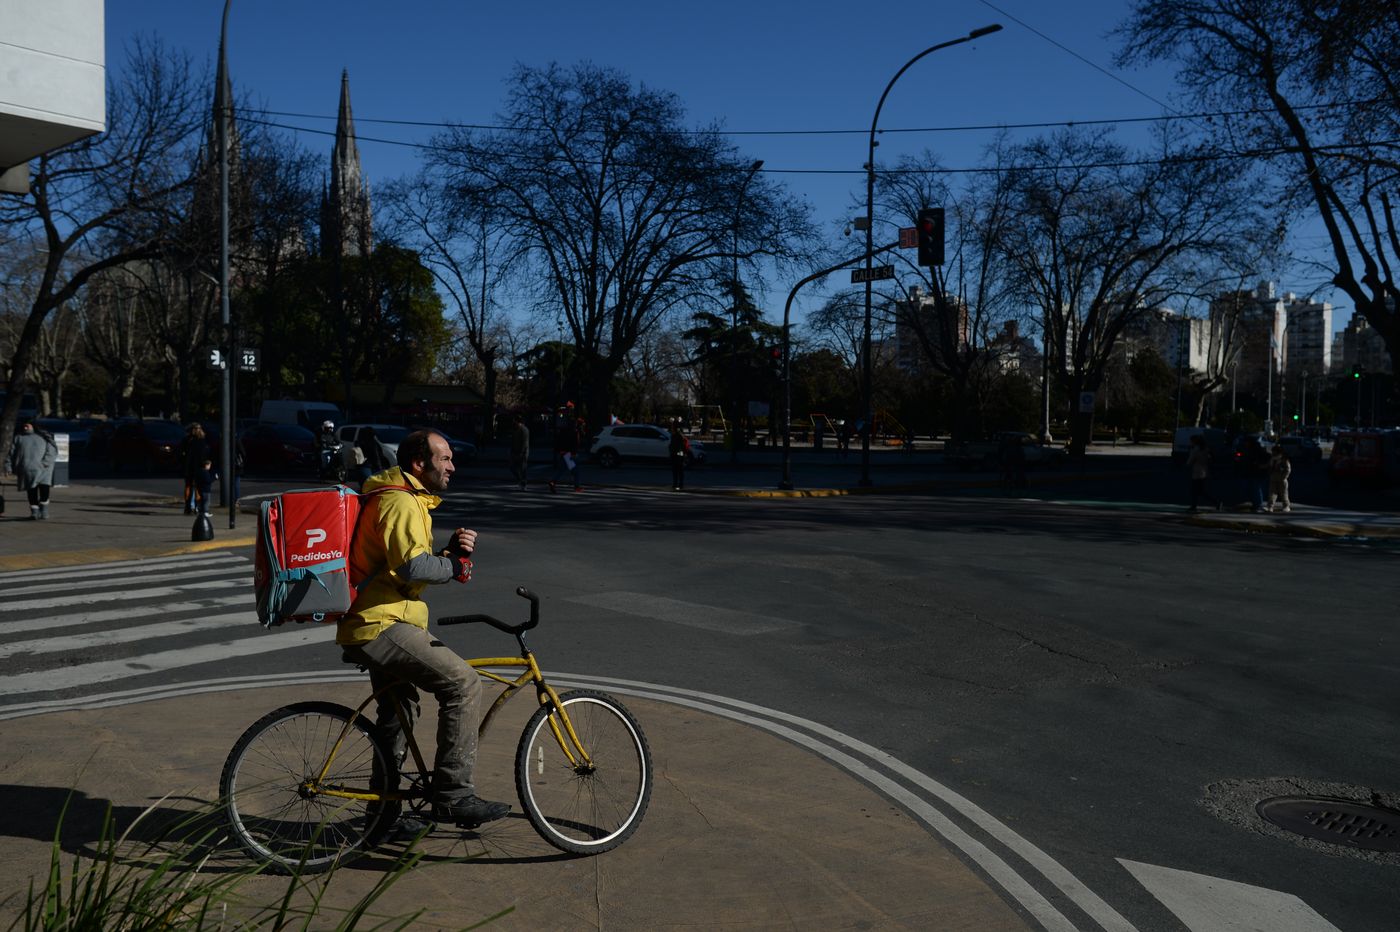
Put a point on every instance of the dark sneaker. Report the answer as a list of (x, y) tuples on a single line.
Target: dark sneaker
[(469, 811), (407, 828)]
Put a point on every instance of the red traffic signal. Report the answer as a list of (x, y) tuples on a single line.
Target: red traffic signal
[(929, 228)]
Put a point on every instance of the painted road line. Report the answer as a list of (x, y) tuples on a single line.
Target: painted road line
[(1212, 904), (176, 691), (106, 671), (73, 585), (88, 598), (44, 644), (1088, 901), (117, 567), (51, 622), (690, 614), (998, 870)]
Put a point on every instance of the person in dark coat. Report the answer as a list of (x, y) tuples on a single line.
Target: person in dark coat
[(677, 450), (32, 457), (194, 451)]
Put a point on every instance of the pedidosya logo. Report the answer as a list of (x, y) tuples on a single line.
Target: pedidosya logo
[(314, 536)]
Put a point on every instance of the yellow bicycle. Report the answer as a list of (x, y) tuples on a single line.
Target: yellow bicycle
[(310, 785)]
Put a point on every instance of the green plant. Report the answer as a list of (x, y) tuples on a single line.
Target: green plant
[(162, 883)]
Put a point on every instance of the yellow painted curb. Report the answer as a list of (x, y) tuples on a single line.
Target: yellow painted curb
[(35, 561)]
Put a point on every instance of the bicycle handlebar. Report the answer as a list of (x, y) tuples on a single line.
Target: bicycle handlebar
[(496, 622)]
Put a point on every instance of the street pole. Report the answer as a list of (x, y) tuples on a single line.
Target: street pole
[(866, 368), (734, 319), (223, 107), (786, 481)]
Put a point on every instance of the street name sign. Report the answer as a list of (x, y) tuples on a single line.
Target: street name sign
[(875, 274)]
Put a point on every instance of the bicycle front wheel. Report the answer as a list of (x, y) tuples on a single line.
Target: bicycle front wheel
[(577, 806), (274, 795)]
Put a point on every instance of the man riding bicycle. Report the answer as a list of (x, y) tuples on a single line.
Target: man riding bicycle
[(386, 629)]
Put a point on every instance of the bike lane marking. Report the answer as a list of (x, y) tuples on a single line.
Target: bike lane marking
[(1212, 904), (993, 865)]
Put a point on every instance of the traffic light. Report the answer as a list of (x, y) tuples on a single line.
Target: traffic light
[(930, 235), (1356, 372), (775, 359)]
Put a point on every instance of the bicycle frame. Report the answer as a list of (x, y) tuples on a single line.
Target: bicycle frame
[(566, 737)]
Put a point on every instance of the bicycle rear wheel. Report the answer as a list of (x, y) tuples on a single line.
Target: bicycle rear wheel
[(581, 808), (265, 787)]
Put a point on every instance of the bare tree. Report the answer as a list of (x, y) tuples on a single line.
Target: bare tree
[(969, 292), (107, 200), (1099, 237), (459, 241), (1312, 88), (625, 213)]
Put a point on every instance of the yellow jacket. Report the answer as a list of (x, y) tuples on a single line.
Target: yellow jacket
[(393, 549)]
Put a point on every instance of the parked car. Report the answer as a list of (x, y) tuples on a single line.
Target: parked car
[(77, 433), (619, 442), (1217, 445), (279, 448), (1301, 449), (986, 454), (148, 445), (1241, 444), (388, 434), (1370, 457)]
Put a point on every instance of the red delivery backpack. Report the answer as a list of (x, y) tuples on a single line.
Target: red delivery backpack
[(302, 564)]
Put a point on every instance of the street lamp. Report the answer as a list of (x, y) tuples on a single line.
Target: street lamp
[(869, 417), (223, 107), (734, 316)]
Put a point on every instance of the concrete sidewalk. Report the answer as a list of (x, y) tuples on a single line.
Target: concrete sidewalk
[(744, 830)]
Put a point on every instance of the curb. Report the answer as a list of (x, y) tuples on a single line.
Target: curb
[(32, 561)]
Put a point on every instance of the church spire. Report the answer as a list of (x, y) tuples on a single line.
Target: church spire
[(345, 214)]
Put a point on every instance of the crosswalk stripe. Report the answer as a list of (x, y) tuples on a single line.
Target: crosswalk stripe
[(52, 622), (112, 636), (72, 585), (117, 567), (87, 598), (106, 671)]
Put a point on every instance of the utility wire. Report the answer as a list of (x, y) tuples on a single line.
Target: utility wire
[(1338, 148), (974, 127), (1069, 51)]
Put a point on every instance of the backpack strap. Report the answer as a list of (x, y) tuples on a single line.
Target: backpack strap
[(383, 566)]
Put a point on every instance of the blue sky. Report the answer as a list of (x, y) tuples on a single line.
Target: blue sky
[(771, 70)]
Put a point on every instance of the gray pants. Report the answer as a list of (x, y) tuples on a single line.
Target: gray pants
[(405, 658)]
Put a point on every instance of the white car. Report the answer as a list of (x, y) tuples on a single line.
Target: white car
[(388, 434), (620, 442)]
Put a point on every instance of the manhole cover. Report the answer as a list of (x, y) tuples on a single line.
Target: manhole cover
[(1338, 821)]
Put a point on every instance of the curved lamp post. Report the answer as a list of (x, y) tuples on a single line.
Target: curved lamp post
[(734, 317), (869, 417), (786, 481)]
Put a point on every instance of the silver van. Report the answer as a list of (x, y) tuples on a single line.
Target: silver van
[(1216, 443)]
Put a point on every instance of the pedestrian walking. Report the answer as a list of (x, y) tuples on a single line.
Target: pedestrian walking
[(1256, 464), (678, 447), (194, 451), (204, 484), (32, 456), (566, 443), (1013, 462), (1198, 463), (377, 456), (1280, 468), (520, 450)]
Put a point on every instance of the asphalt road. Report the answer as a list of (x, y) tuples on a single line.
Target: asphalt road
[(1111, 684)]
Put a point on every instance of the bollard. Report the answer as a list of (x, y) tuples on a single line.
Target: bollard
[(203, 528)]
